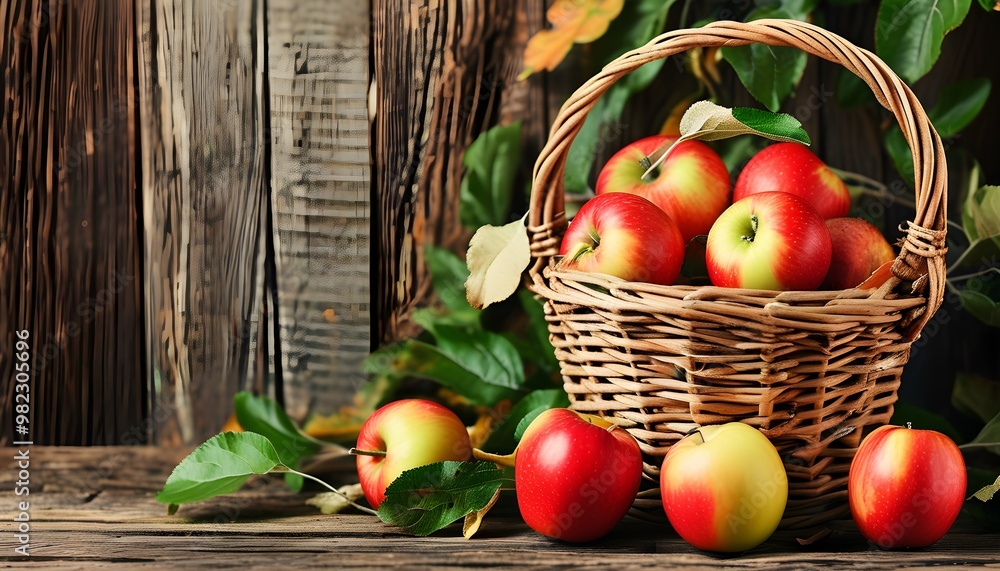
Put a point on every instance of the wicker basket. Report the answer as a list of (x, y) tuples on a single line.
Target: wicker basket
[(814, 371)]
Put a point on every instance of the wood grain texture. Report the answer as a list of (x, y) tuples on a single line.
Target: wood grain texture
[(318, 79), (439, 70), (69, 240), (203, 188), (94, 507)]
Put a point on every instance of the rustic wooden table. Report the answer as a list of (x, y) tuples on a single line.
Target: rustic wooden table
[(95, 507)]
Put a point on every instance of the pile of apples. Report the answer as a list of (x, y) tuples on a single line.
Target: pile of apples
[(783, 226), (723, 488)]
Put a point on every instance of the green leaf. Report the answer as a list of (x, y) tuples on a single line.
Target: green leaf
[(958, 105), (263, 416), (852, 91), (707, 121), (504, 437), (976, 395), (496, 258), (981, 213), (491, 163), (426, 499), (485, 354), (988, 437), (982, 306), (448, 274), (978, 257), (525, 422), (986, 493), (908, 33), (923, 419), (219, 466), (770, 73), (418, 359), (990, 5), (535, 343)]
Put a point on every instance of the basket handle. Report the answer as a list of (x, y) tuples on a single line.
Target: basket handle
[(921, 256)]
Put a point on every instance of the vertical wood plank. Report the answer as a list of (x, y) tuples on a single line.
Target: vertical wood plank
[(203, 187), (439, 69), (69, 245), (318, 86)]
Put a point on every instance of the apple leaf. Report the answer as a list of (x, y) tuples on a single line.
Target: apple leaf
[(474, 520), (426, 499), (497, 255), (984, 307), (490, 169), (421, 360), (219, 466), (981, 214), (988, 437), (770, 73), (484, 353), (990, 5), (908, 33), (986, 493), (448, 274), (976, 395), (710, 122), (573, 21), (332, 503), (504, 438), (265, 417)]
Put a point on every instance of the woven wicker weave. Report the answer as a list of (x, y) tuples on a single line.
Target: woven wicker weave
[(815, 371)]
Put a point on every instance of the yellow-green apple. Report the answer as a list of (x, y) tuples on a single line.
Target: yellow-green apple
[(792, 167), (406, 434), (771, 240), (724, 487), (692, 185), (623, 235), (906, 486), (575, 475), (858, 250)]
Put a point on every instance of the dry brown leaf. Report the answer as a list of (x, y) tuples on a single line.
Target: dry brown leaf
[(985, 494), (475, 519), (497, 255), (573, 21)]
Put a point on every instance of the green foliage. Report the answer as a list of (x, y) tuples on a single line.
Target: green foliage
[(263, 416), (988, 438), (976, 396), (908, 33), (504, 438), (490, 168), (448, 275), (219, 466), (426, 499)]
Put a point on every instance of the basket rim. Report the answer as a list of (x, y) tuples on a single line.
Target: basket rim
[(918, 270)]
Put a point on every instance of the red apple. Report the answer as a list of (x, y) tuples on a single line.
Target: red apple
[(406, 434), (575, 475), (791, 167), (692, 185), (623, 235), (858, 250), (724, 487), (771, 240), (906, 486)]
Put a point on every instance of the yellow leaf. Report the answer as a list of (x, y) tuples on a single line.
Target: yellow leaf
[(573, 21), (475, 519), (497, 255)]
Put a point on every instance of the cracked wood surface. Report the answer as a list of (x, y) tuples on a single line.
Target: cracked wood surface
[(95, 507)]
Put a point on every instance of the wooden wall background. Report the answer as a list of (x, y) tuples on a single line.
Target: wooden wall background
[(201, 197)]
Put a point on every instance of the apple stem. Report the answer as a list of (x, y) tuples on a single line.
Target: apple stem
[(753, 228), (357, 452), (909, 425), (507, 460)]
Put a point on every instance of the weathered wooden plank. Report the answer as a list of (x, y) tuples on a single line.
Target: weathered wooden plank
[(203, 191), (319, 136), (439, 70), (69, 243), (95, 507)]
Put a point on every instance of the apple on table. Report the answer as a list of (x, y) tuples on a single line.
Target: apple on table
[(403, 435), (692, 185), (575, 475)]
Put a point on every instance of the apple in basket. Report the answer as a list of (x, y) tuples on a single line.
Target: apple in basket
[(692, 185), (858, 250), (575, 475), (724, 487), (406, 434), (626, 236), (770, 240), (906, 486), (792, 167)]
